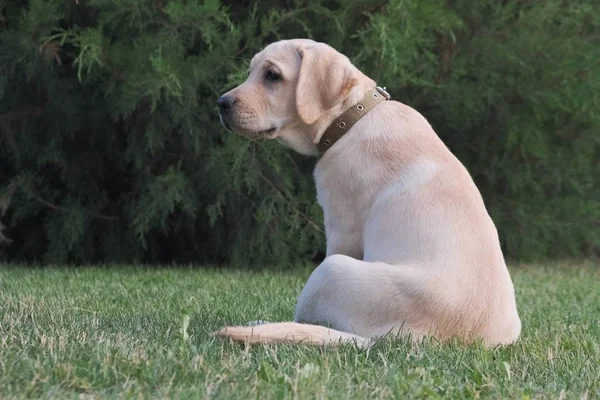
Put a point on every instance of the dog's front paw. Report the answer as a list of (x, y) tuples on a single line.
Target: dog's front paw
[(257, 322)]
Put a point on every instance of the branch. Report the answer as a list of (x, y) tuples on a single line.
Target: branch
[(63, 209), (446, 54), (22, 114), (269, 223), (290, 204), (284, 197), (3, 239), (377, 7)]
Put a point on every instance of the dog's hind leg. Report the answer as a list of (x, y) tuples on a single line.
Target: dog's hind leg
[(369, 299)]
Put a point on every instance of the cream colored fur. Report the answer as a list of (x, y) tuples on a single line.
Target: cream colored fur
[(410, 245)]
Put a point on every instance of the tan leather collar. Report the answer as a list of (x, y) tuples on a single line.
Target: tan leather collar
[(344, 122)]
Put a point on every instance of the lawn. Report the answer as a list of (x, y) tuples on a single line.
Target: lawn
[(117, 332)]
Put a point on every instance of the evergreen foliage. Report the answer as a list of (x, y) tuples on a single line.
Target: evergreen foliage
[(111, 148)]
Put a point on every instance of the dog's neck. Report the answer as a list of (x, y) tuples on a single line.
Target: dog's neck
[(342, 124), (308, 142), (355, 96)]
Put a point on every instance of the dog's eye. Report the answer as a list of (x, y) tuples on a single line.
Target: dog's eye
[(272, 76)]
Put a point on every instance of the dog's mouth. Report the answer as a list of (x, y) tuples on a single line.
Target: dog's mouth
[(264, 134), (246, 132), (268, 131), (225, 123)]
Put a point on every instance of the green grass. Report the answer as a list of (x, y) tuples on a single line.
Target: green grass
[(116, 332)]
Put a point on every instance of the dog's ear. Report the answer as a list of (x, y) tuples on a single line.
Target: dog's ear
[(326, 78)]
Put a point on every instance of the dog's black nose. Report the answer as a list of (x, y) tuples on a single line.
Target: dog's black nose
[(225, 103)]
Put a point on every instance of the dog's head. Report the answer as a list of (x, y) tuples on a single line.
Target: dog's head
[(291, 87)]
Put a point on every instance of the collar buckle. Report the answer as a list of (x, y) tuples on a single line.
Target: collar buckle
[(383, 92)]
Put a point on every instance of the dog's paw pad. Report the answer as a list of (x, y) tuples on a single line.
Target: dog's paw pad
[(257, 322)]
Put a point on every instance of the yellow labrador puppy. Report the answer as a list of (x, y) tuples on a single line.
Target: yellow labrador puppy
[(410, 245)]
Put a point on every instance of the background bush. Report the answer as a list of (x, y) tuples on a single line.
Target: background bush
[(111, 149)]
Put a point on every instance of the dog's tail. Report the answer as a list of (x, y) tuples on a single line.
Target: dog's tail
[(291, 332)]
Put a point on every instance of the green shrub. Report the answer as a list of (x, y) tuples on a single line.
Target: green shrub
[(111, 148)]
